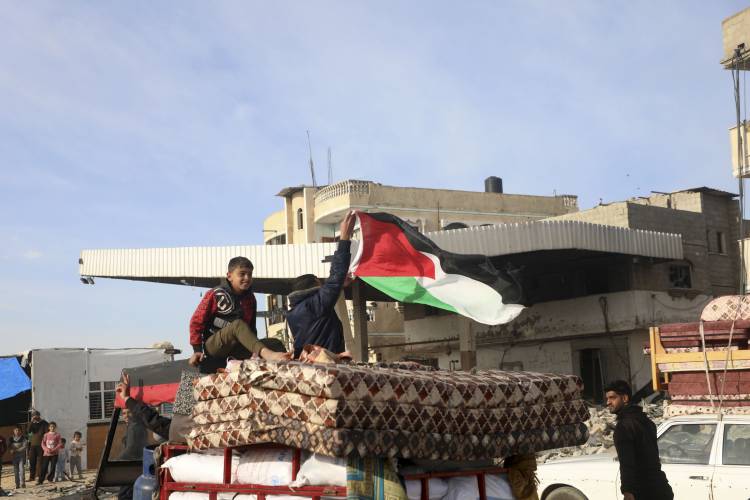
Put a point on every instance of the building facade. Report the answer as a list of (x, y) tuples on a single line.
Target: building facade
[(312, 215)]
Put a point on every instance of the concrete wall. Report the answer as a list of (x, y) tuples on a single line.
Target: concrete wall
[(614, 214), (735, 30), (274, 225), (699, 217), (431, 209)]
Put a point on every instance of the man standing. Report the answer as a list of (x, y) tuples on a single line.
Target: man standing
[(37, 429), (641, 476)]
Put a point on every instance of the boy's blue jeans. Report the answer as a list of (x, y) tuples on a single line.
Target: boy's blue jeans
[(19, 463)]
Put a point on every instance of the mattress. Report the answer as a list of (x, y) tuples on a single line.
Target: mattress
[(265, 428), (376, 410)]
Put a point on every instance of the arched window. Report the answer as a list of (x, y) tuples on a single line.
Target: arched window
[(300, 219)]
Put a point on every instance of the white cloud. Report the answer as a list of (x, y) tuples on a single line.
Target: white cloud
[(32, 254)]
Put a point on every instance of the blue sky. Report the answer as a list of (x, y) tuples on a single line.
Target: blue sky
[(143, 124)]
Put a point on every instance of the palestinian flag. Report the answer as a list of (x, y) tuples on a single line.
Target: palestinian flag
[(154, 384), (401, 262)]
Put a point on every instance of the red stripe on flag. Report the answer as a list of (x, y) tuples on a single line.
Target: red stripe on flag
[(388, 253), (152, 395)]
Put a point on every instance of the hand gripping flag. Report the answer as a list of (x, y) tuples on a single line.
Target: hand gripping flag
[(398, 260)]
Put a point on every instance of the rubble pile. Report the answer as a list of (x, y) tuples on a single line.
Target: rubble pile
[(601, 427)]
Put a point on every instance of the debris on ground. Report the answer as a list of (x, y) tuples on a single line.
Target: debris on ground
[(78, 489), (601, 427)]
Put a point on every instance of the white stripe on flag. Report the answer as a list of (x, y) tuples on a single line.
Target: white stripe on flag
[(471, 298)]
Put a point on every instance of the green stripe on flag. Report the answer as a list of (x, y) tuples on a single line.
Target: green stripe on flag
[(407, 290)]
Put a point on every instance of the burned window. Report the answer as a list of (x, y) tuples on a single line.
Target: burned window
[(679, 276)]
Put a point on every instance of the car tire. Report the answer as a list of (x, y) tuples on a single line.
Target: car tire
[(565, 493)]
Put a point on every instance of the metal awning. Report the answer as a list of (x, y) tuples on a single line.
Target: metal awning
[(277, 265)]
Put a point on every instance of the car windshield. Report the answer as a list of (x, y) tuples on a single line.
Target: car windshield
[(687, 444)]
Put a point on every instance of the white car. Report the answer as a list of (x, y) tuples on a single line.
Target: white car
[(705, 457)]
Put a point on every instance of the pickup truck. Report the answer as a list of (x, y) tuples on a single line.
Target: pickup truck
[(705, 457)]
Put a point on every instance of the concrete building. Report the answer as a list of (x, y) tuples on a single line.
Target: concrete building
[(312, 215), (594, 280), (589, 313)]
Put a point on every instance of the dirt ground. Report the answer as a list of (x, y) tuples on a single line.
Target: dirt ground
[(69, 490)]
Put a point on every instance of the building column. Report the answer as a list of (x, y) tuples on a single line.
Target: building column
[(359, 313), (468, 345)]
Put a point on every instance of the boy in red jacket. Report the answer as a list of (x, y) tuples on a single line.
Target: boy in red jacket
[(51, 444), (223, 325)]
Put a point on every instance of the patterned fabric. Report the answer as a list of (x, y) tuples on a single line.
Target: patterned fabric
[(317, 354), (729, 307), (372, 478), (480, 389), (377, 411), (264, 428), (351, 414)]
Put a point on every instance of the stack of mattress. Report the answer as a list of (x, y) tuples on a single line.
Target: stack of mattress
[(692, 388), (370, 410), (686, 337), (688, 383)]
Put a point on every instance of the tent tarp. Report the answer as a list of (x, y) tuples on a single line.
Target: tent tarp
[(13, 377)]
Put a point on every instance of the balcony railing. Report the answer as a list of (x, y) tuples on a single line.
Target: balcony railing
[(342, 188)]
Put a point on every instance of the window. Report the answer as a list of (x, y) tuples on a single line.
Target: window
[(736, 444), (679, 276), (687, 444), (720, 242), (300, 219), (101, 400)]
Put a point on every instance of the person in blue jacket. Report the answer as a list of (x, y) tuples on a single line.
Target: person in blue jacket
[(312, 318)]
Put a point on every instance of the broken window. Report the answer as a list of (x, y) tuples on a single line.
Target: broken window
[(679, 276), (720, 242), (591, 374)]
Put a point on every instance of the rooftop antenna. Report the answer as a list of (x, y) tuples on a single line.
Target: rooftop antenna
[(312, 167), (330, 168)]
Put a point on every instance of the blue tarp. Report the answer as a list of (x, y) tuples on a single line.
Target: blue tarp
[(12, 378)]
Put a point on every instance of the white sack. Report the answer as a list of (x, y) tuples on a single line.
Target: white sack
[(320, 470), (438, 488), (269, 467), (199, 468), (466, 488)]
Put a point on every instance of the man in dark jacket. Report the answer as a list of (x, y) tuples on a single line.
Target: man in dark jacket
[(312, 318), (37, 428), (641, 476)]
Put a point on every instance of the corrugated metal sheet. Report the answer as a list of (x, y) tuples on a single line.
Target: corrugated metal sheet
[(271, 261), (507, 239), (288, 261)]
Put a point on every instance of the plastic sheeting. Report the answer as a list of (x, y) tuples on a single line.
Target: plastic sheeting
[(13, 377)]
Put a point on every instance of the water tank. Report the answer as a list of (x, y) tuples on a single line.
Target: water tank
[(493, 184)]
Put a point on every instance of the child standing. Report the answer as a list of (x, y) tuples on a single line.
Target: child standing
[(62, 459), (18, 444), (75, 449), (50, 446)]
